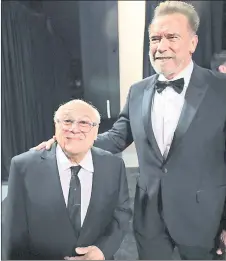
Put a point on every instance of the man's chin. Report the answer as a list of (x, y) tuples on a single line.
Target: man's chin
[(71, 152), (71, 147), (167, 72)]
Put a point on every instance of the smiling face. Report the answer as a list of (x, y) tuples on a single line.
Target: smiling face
[(74, 131), (171, 44)]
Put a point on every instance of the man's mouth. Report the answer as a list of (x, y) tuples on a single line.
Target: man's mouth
[(73, 138), (162, 58), (76, 137)]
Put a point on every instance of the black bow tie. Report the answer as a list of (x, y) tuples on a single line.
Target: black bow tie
[(177, 85)]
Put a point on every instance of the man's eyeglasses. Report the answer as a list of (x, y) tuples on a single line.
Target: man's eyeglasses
[(83, 125)]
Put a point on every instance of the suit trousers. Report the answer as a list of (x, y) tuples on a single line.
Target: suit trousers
[(162, 247)]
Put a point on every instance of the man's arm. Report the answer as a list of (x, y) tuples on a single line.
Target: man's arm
[(120, 136), (15, 227), (110, 242)]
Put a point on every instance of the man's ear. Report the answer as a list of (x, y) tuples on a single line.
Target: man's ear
[(194, 43), (96, 133)]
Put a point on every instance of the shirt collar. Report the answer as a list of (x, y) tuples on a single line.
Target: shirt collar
[(64, 162), (186, 74)]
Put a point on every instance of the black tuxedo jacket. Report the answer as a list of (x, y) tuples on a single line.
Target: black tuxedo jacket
[(193, 176), (37, 224)]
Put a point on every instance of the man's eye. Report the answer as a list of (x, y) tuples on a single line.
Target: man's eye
[(173, 37), (68, 121), (85, 123), (155, 39)]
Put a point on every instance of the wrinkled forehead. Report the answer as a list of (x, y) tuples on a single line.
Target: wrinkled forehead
[(76, 111), (169, 24)]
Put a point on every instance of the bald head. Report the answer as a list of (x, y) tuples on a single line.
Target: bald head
[(77, 105)]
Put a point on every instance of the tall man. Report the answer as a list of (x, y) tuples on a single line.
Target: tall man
[(72, 196), (177, 120)]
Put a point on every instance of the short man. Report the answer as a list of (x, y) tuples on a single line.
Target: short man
[(72, 196), (177, 120)]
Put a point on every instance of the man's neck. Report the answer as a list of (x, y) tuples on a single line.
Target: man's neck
[(75, 158)]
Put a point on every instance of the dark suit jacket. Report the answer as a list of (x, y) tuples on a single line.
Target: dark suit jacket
[(37, 225), (193, 177)]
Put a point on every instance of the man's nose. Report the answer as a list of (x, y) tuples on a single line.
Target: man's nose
[(74, 127), (163, 45)]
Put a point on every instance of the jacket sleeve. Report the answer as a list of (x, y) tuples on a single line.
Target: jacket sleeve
[(113, 236), (15, 227), (120, 136)]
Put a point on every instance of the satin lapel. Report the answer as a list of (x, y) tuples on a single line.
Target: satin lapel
[(90, 217), (146, 114), (195, 93)]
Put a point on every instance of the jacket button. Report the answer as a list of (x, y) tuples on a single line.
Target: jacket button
[(165, 170)]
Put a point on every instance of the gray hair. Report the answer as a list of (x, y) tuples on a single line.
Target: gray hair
[(78, 101), (172, 7)]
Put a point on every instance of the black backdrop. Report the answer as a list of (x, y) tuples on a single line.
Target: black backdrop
[(34, 80), (54, 51)]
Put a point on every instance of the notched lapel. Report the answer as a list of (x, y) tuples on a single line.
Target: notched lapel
[(146, 114), (89, 221), (54, 197), (194, 96), (52, 180)]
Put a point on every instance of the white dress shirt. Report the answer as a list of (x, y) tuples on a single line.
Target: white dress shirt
[(85, 176), (166, 110)]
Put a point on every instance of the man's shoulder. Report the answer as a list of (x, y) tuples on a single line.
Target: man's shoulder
[(28, 156), (220, 75), (217, 81), (140, 85), (106, 155), (210, 73)]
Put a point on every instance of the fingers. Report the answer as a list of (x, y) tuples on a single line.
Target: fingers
[(45, 144), (70, 258), (219, 251), (75, 258), (87, 253), (40, 146), (82, 250), (222, 243), (49, 143)]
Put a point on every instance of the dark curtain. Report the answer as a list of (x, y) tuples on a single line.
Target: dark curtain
[(149, 12), (210, 32), (35, 77)]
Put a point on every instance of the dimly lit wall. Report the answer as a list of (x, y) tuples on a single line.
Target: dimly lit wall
[(131, 15)]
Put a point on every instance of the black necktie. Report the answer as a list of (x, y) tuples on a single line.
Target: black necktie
[(74, 200), (177, 85)]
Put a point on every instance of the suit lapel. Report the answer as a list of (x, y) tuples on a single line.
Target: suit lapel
[(95, 198), (146, 114), (53, 190), (52, 180), (194, 95)]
